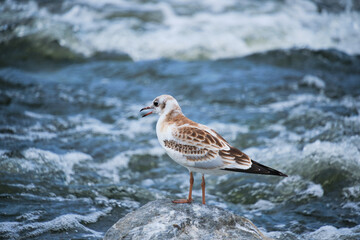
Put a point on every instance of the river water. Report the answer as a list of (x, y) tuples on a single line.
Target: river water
[(278, 79)]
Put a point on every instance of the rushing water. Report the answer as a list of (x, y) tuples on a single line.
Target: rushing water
[(278, 79)]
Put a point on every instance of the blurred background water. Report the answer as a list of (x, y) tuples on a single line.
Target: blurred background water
[(278, 79)]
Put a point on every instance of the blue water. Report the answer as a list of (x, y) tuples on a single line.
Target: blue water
[(279, 80)]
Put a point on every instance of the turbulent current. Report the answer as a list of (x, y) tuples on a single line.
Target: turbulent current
[(278, 79)]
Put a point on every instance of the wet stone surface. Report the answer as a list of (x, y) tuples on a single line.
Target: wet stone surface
[(162, 219)]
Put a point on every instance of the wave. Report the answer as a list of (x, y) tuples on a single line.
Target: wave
[(46, 50), (330, 59), (67, 222), (78, 30), (43, 164)]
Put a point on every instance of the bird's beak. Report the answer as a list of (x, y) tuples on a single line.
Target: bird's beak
[(145, 108)]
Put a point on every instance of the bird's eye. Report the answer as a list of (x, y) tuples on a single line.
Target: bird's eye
[(156, 103)]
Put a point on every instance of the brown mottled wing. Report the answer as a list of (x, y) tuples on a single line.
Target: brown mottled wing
[(197, 145), (192, 153), (200, 138), (208, 145)]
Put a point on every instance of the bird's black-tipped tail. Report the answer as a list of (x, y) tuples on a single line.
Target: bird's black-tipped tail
[(257, 168)]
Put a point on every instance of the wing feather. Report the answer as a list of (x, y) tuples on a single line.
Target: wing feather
[(238, 156), (202, 145), (203, 138)]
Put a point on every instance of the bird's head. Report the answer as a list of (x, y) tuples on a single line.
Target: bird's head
[(162, 105)]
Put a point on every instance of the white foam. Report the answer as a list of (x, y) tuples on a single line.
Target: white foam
[(147, 182), (352, 192), (294, 101), (38, 115), (228, 130), (93, 125), (63, 222), (122, 127), (355, 206), (32, 133), (231, 29), (31, 216), (133, 128), (30, 137), (314, 81), (27, 187), (344, 153), (314, 190), (112, 101), (53, 197), (331, 232), (279, 153), (65, 162), (262, 205), (111, 167), (351, 102), (301, 188)]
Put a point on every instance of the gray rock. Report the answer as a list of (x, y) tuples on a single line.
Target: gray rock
[(162, 219)]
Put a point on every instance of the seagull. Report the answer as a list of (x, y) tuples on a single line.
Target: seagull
[(198, 147)]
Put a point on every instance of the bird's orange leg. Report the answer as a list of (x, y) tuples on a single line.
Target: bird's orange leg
[(203, 189), (189, 200)]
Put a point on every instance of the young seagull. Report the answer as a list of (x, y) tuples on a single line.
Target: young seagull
[(198, 147)]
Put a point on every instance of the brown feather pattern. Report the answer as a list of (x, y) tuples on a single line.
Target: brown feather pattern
[(198, 137), (191, 153)]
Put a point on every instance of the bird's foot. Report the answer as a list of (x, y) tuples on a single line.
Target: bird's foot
[(182, 201)]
